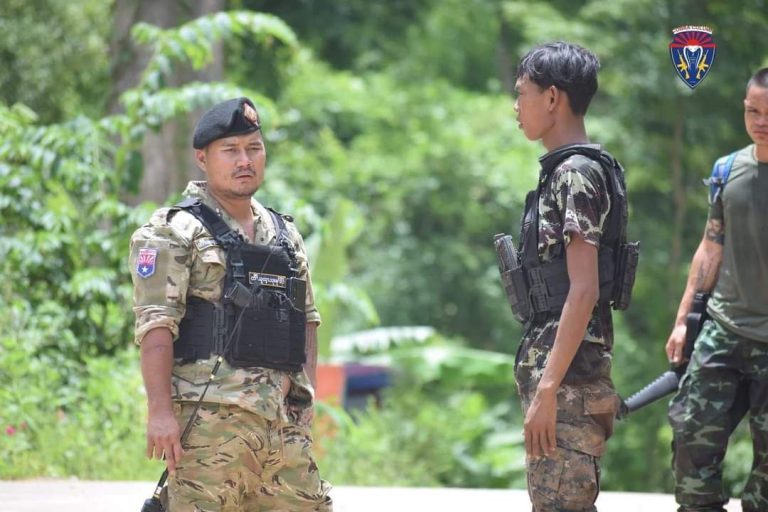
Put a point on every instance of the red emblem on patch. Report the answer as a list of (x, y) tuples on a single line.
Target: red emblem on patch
[(145, 263)]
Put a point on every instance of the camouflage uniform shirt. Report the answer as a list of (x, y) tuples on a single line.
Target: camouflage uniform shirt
[(189, 262), (574, 200)]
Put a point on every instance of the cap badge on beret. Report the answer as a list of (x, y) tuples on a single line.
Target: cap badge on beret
[(250, 114)]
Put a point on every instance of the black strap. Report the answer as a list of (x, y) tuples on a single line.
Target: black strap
[(277, 220), (615, 233), (219, 229), (530, 235), (548, 282), (231, 240), (212, 221), (226, 236), (283, 239), (617, 220)]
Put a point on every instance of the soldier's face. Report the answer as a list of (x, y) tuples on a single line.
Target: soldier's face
[(534, 108), (234, 165), (756, 114)]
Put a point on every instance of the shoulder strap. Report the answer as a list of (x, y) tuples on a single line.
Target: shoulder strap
[(226, 236), (616, 227), (277, 219), (219, 229), (530, 236), (614, 178), (281, 236), (720, 172)]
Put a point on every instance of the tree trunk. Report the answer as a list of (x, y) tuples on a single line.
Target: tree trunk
[(167, 154), (678, 197), (504, 59)]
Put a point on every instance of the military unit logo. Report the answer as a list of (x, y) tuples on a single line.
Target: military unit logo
[(145, 263), (693, 51)]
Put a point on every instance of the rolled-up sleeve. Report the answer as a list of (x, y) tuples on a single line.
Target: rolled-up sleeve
[(159, 263), (313, 315)]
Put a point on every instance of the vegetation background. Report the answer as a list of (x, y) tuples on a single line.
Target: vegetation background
[(392, 139)]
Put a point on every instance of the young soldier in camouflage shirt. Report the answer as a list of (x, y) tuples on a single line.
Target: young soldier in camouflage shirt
[(564, 360), (728, 373), (250, 446)]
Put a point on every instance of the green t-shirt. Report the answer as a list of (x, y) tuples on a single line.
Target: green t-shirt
[(740, 298)]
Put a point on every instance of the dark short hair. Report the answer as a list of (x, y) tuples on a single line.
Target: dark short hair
[(569, 67), (759, 79)]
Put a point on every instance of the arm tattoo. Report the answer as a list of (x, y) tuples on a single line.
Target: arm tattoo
[(709, 268), (715, 232)]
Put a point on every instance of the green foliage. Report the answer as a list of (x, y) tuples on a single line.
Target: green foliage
[(192, 42), (418, 441), (64, 232), (449, 421), (74, 386), (385, 107), (349, 33), (54, 55), (154, 102), (451, 367), (63, 417), (448, 26), (434, 176), (336, 297)]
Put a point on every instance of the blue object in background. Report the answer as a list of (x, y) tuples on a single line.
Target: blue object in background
[(363, 383)]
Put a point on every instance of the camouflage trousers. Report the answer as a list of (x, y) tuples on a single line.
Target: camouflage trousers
[(235, 460), (569, 481), (726, 378)]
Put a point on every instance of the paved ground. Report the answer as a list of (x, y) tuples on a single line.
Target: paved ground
[(79, 496)]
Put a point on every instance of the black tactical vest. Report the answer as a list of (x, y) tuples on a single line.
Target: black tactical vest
[(260, 320), (548, 283)]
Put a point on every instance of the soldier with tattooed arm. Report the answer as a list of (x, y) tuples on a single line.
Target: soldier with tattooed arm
[(727, 376)]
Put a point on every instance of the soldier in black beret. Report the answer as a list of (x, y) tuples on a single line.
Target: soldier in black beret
[(227, 325)]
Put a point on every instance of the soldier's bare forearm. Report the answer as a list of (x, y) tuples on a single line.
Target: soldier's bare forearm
[(705, 267), (311, 352), (573, 324), (581, 260), (156, 366)]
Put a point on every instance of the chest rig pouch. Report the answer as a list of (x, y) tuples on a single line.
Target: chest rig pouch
[(260, 320), (547, 284)]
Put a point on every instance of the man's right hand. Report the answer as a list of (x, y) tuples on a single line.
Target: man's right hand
[(164, 438), (675, 344), (163, 432)]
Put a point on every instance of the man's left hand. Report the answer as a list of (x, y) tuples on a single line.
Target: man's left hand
[(539, 427)]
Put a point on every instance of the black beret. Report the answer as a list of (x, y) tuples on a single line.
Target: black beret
[(232, 117)]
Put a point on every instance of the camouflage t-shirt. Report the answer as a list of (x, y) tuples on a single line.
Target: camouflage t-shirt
[(189, 262), (575, 200)]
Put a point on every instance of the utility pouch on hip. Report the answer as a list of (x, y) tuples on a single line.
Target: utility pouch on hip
[(626, 269), (296, 290), (512, 277)]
